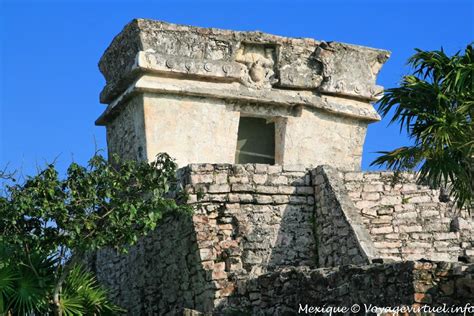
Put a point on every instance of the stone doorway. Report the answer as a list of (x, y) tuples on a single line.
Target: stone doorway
[(255, 141)]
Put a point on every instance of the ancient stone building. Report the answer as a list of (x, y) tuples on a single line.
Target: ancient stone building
[(269, 133), (216, 96)]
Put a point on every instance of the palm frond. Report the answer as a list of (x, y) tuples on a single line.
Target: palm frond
[(435, 107), (82, 286)]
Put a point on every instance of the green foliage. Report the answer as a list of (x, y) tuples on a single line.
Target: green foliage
[(435, 106), (27, 286), (24, 282), (47, 224), (82, 295)]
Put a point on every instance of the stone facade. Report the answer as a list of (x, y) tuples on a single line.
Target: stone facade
[(184, 89)]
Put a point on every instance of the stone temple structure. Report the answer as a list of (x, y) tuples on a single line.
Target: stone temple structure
[(269, 133), (216, 96)]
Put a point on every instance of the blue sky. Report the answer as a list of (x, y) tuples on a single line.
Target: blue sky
[(50, 83)]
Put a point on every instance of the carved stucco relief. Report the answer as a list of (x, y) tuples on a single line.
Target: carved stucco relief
[(260, 61)]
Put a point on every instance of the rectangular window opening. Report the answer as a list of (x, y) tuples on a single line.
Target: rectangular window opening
[(255, 141)]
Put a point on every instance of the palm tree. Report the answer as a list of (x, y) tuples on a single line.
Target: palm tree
[(435, 105), (27, 286)]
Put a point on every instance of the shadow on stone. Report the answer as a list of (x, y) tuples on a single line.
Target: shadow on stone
[(161, 274)]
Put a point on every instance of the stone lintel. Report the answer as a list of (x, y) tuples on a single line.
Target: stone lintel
[(235, 92)]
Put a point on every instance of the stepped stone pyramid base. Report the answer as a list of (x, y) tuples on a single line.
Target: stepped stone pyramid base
[(265, 239)]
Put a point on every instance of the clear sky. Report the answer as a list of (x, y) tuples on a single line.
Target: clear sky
[(50, 83)]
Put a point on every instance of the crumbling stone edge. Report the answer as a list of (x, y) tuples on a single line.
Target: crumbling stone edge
[(328, 179)]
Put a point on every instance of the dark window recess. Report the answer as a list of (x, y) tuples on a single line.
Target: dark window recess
[(255, 141)]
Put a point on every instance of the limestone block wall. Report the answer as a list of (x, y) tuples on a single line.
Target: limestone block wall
[(248, 220), (410, 284), (408, 221), (161, 273), (253, 225), (126, 131), (261, 219), (314, 137), (341, 237)]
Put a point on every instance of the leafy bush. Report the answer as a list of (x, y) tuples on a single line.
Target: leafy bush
[(48, 224)]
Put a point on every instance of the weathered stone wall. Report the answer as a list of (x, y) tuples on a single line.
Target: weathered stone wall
[(161, 274), (192, 129), (316, 137), (249, 219), (409, 284), (408, 221), (341, 237), (126, 131), (258, 231), (253, 226), (268, 208)]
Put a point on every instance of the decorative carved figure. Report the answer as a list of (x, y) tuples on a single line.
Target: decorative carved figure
[(260, 62)]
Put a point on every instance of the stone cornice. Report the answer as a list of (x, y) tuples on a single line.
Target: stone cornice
[(237, 92), (259, 65)]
